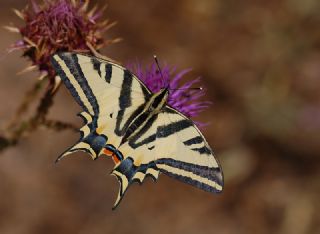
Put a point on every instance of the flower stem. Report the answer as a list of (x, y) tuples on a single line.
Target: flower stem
[(29, 97), (59, 125), (18, 129)]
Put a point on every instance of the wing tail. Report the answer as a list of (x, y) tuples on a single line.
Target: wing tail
[(127, 173), (90, 141), (79, 146)]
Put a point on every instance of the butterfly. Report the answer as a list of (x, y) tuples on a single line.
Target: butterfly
[(143, 135)]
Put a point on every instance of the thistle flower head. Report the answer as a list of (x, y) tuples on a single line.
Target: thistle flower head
[(58, 25), (181, 97)]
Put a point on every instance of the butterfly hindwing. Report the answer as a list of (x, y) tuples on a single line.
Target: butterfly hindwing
[(109, 94)]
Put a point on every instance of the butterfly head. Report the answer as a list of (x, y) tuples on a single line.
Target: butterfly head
[(164, 93)]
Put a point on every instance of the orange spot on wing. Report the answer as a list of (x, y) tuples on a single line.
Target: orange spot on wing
[(115, 159), (100, 129), (107, 152), (111, 154)]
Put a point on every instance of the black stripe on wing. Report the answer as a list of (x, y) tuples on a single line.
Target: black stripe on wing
[(210, 173), (125, 102), (172, 128), (96, 65), (108, 69), (71, 61), (133, 142), (68, 84), (191, 181), (202, 150), (162, 132), (126, 89), (121, 113), (194, 140)]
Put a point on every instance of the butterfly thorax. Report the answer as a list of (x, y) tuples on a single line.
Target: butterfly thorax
[(151, 109), (157, 101)]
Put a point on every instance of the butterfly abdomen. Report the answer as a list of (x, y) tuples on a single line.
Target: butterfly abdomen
[(137, 123)]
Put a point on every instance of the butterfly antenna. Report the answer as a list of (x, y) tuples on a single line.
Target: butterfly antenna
[(196, 88), (159, 69)]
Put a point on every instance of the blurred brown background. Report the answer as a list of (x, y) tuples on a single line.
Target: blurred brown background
[(260, 61)]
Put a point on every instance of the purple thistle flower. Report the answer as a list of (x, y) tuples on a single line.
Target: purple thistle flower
[(183, 99), (59, 25)]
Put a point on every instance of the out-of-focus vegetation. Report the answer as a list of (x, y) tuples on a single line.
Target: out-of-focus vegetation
[(260, 62)]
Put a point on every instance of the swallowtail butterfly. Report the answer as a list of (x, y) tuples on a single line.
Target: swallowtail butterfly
[(137, 128)]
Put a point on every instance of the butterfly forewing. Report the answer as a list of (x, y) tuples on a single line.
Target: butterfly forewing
[(173, 145), (108, 94)]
